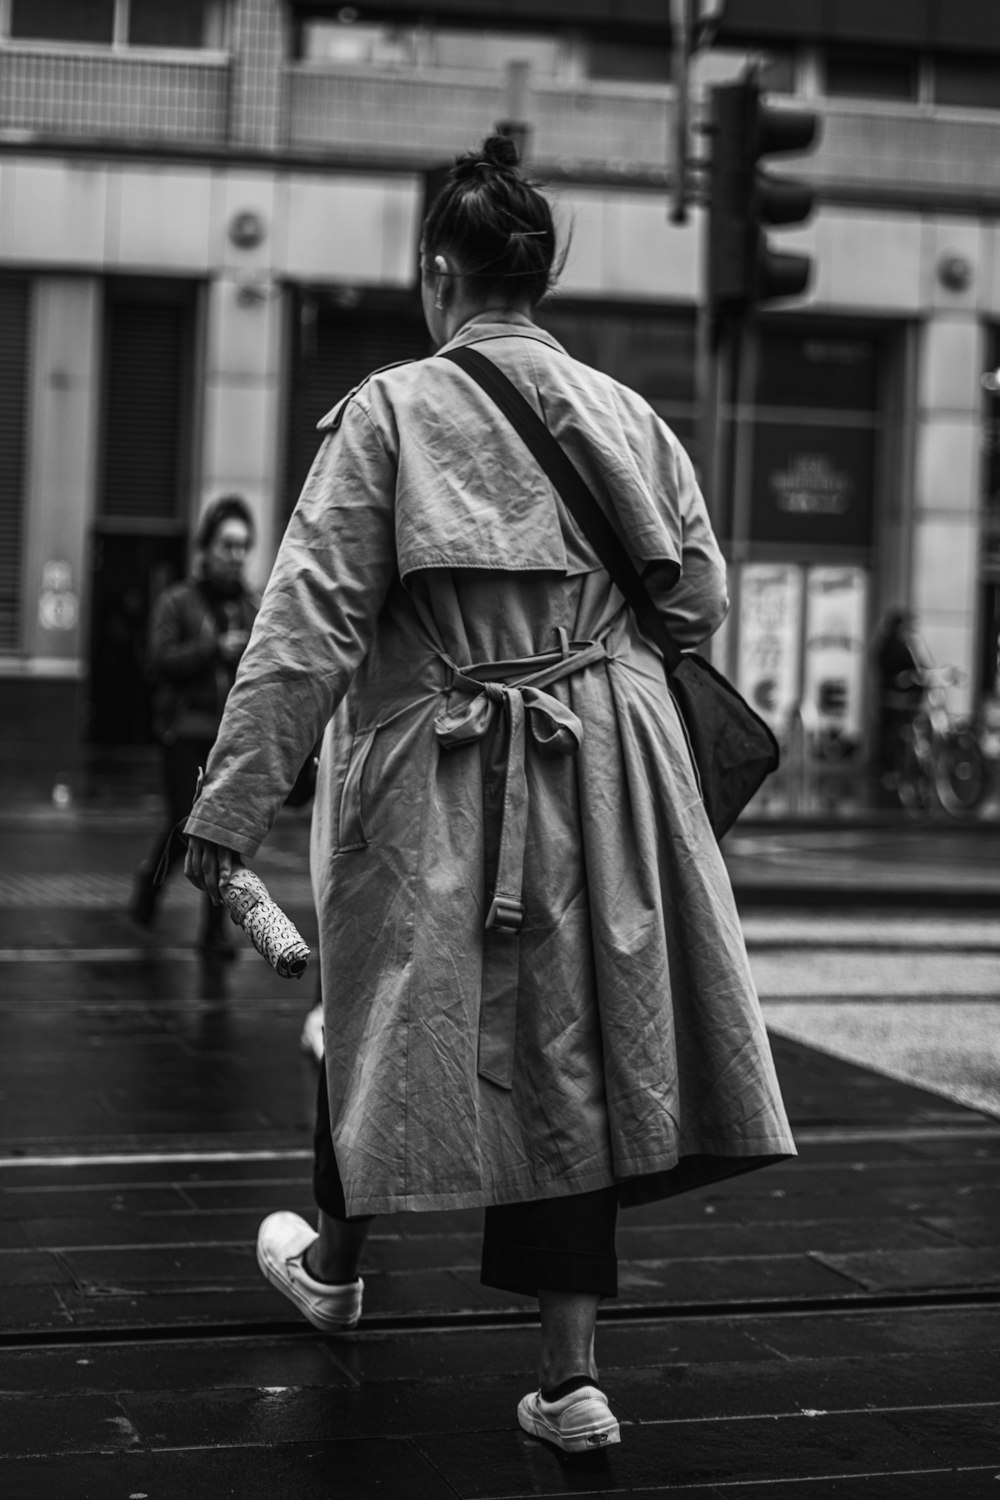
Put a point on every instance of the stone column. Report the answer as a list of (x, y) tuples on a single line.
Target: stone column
[(60, 492), (946, 512), (244, 354)]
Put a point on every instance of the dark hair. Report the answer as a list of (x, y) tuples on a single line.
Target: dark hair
[(496, 224), (226, 508)]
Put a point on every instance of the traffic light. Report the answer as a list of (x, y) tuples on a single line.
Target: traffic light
[(743, 269)]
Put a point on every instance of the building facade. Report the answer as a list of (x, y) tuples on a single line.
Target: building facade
[(209, 216)]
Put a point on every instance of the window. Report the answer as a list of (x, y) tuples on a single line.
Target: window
[(776, 67), (554, 56), (652, 352), (838, 371), (869, 74), (184, 24), (970, 85), (63, 20), (350, 43), (626, 62)]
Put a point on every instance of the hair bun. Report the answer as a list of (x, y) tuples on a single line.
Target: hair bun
[(500, 151)]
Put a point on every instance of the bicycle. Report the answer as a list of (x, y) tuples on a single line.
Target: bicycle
[(940, 762)]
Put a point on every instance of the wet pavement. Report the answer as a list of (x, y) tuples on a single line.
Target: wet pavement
[(829, 1327)]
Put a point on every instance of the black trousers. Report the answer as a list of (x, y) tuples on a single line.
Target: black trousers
[(179, 763), (549, 1244)]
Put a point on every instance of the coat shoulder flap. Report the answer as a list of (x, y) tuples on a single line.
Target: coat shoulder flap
[(334, 416)]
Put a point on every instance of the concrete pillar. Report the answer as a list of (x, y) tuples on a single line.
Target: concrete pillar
[(243, 409), (946, 515), (60, 493)]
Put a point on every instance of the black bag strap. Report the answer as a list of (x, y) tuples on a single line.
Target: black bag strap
[(568, 482)]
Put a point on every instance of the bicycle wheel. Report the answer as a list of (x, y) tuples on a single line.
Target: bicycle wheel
[(960, 773)]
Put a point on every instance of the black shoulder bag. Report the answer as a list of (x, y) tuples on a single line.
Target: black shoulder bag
[(732, 748)]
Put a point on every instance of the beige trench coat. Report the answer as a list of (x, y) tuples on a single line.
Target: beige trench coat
[(534, 977)]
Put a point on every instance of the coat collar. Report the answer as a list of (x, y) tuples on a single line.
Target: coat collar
[(500, 326)]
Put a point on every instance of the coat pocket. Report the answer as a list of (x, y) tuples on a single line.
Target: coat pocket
[(351, 828)]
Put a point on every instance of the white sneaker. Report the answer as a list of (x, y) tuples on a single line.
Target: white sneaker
[(311, 1040), (578, 1423), (282, 1241)]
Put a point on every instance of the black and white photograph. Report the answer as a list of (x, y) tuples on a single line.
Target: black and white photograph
[(499, 749)]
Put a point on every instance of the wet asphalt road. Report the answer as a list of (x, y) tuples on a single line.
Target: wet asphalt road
[(829, 1327)]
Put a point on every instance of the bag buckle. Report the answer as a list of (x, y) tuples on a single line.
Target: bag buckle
[(505, 914)]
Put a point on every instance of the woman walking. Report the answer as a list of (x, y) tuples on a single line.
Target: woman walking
[(536, 993), (199, 631)]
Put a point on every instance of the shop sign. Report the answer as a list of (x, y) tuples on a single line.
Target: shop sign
[(812, 485), (835, 657), (770, 617)]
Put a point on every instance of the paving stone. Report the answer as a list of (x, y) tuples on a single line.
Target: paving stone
[(400, 1408), (141, 1172), (233, 1307), (729, 1279), (937, 1484), (22, 1268), (493, 1466), (172, 1366), (924, 1329), (34, 1309), (711, 1238), (365, 1469), (12, 1235), (261, 1195), (144, 1268), (957, 1435), (85, 1424), (147, 1230), (917, 1270), (968, 1229), (825, 1383), (28, 1202), (446, 1354)]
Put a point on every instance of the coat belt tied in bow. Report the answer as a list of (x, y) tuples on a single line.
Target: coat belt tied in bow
[(516, 690)]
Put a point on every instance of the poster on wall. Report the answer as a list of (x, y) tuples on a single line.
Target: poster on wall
[(835, 661), (770, 619)]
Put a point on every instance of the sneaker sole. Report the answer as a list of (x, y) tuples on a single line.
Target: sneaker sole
[(283, 1285), (587, 1441)]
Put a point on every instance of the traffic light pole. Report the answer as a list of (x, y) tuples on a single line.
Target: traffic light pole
[(680, 53), (707, 398)]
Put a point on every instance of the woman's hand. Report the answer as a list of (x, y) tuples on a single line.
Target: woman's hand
[(209, 866)]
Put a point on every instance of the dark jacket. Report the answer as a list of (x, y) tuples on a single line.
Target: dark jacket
[(191, 681)]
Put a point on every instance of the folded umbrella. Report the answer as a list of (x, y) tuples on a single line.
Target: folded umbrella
[(274, 935)]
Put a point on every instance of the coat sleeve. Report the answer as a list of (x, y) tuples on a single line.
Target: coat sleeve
[(696, 604), (315, 626)]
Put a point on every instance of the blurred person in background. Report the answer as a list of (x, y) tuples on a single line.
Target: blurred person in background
[(899, 674), (537, 998), (199, 631)]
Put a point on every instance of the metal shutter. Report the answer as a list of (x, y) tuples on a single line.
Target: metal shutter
[(14, 306), (148, 380), (335, 350)]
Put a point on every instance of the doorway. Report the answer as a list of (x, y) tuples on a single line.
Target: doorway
[(139, 542)]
